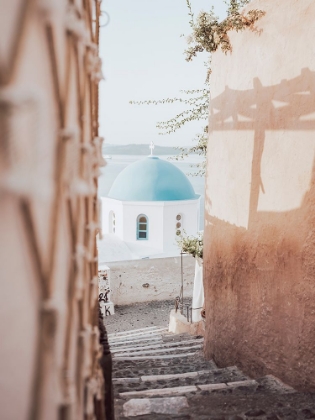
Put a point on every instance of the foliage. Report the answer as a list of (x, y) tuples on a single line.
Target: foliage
[(200, 148), (198, 106), (192, 245), (208, 35)]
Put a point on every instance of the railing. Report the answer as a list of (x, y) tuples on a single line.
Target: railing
[(107, 367), (185, 308)]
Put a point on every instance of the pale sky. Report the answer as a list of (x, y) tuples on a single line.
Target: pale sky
[(142, 54)]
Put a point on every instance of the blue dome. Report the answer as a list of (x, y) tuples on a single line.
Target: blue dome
[(152, 179)]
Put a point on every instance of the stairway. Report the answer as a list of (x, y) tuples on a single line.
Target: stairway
[(159, 375)]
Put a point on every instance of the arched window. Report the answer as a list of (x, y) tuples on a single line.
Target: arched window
[(111, 222), (142, 227)]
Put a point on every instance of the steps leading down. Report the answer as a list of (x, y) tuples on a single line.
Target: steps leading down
[(158, 375)]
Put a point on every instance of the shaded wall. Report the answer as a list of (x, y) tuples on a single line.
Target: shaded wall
[(49, 159), (259, 254), (150, 279)]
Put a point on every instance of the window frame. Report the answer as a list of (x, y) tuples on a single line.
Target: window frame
[(138, 230)]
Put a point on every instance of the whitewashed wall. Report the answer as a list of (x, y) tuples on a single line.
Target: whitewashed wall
[(161, 216), (154, 213), (190, 212), (108, 205), (162, 275)]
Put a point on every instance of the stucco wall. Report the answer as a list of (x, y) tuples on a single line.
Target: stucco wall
[(161, 221), (150, 279), (259, 253), (189, 211)]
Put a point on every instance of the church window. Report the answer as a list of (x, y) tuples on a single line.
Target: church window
[(112, 222), (142, 227), (178, 225)]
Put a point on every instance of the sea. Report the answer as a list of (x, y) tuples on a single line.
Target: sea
[(117, 163)]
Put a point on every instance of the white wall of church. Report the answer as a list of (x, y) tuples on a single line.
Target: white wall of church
[(189, 212), (154, 212), (161, 221), (150, 279), (110, 206)]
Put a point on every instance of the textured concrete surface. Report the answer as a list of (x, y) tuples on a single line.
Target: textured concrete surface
[(178, 324), (210, 394), (259, 253), (140, 315), (154, 279), (171, 405)]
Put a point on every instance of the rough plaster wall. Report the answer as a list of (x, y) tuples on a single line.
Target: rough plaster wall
[(162, 275), (49, 161), (259, 253)]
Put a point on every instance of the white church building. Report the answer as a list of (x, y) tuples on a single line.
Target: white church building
[(150, 203)]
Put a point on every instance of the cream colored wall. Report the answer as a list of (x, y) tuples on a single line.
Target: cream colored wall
[(267, 83), (49, 158), (259, 223), (229, 177), (162, 275)]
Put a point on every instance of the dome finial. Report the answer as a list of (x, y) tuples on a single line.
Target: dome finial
[(152, 147)]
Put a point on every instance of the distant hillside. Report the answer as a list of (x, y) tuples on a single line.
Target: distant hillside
[(138, 149)]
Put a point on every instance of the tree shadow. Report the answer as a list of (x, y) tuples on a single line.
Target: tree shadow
[(259, 279), (285, 106)]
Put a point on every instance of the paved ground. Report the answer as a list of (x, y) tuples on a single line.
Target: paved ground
[(139, 315), (165, 384), (169, 378)]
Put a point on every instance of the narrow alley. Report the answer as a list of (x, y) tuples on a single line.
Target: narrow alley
[(160, 375), (157, 277)]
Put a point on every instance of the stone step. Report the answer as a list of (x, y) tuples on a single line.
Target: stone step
[(137, 335), (154, 346), (153, 378), (137, 340), (178, 380), (194, 374), (162, 379), (181, 390), (237, 402), (140, 407), (231, 371), (160, 375), (157, 357), (147, 340), (135, 369), (144, 340), (123, 333), (157, 351), (170, 337)]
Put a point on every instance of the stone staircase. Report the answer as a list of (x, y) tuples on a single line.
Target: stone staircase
[(158, 375)]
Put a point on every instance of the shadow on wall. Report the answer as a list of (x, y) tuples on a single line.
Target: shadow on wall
[(260, 281), (297, 97)]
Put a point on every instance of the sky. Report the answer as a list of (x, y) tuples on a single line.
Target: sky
[(143, 59)]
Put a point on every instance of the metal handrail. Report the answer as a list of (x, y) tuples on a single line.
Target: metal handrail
[(179, 301), (182, 280)]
